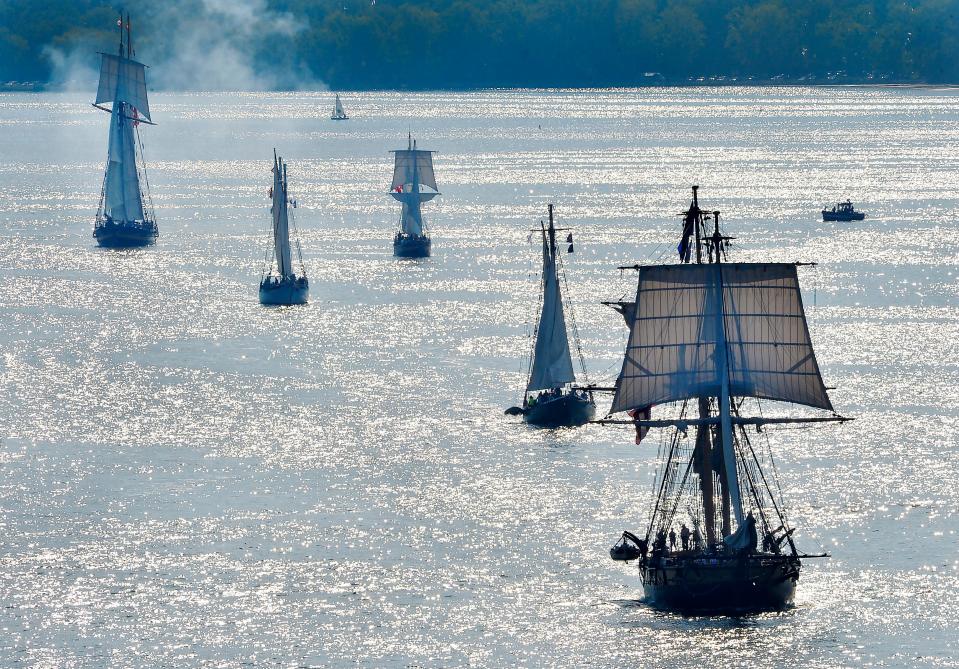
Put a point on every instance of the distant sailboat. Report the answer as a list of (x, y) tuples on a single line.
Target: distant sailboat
[(705, 335), (413, 183), (549, 399), (338, 113), (280, 284), (125, 214)]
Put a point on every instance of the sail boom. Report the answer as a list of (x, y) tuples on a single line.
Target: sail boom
[(132, 118), (715, 420)]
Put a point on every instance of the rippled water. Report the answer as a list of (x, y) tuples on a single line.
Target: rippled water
[(188, 478)]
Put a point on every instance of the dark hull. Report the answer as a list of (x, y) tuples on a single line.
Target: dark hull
[(837, 216), (565, 411), (406, 246), (285, 293), (125, 235), (730, 585)]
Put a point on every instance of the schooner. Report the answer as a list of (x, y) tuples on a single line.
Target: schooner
[(413, 183), (125, 214), (280, 285), (550, 400), (713, 339)]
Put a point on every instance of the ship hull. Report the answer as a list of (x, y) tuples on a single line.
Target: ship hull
[(704, 585), (843, 217), (125, 234), (284, 293), (564, 411), (409, 246)]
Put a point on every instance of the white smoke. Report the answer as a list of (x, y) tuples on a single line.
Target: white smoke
[(73, 70), (200, 45), (213, 47)]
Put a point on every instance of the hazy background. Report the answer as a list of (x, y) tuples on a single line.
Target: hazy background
[(404, 44)]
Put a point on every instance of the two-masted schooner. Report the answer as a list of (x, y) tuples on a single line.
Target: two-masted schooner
[(713, 339), (338, 113), (550, 399), (125, 214), (413, 184), (280, 284)]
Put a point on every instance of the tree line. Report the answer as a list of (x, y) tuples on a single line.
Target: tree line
[(414, 44)]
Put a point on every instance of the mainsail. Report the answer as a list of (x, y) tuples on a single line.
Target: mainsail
[(281, 219), (679, 345), (338, 108), (122, 199), (552, 365), (412, 173)]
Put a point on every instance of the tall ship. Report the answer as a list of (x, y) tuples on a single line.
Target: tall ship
[(709, 342), (280, 284), (338, 113), (551, 399), (843, 211), (413, 184), (125, 215)]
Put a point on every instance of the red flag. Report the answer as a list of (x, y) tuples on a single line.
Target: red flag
[(136, 118), (637, 415)]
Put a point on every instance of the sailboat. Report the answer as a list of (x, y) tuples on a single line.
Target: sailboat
[(712, 339), (125, 214), (280, 284), (338, 113), (413, 183), (550, 400)]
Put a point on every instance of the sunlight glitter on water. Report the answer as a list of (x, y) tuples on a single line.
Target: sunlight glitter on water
[(337, 484)]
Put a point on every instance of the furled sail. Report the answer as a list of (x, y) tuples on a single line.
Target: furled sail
[(123, 80), (122, 200), (678, 343), (281, 220), (552, 364)]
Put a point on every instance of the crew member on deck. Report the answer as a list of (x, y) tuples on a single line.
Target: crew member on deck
[(672, 539), (684, 536)]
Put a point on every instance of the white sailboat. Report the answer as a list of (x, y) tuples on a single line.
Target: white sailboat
[(413, 184), (125, 215), (338, 113), (280, 283), (550, 399)]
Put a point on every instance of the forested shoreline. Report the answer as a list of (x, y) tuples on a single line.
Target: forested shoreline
[(406, 44)]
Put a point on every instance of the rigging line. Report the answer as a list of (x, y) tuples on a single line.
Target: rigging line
[(146, 179), (572, 317), (672, 446), (772, 460), (752, 484), (539, 307), (781, 514), (679, 495)]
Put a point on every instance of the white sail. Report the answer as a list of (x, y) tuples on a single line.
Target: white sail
[(122, 199), (411, 218), (552, 365), (410, 161), (123, 80), (281, 220), (338, 107), (673, 351)]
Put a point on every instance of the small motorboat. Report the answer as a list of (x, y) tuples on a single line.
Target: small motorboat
[(843, 211)]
